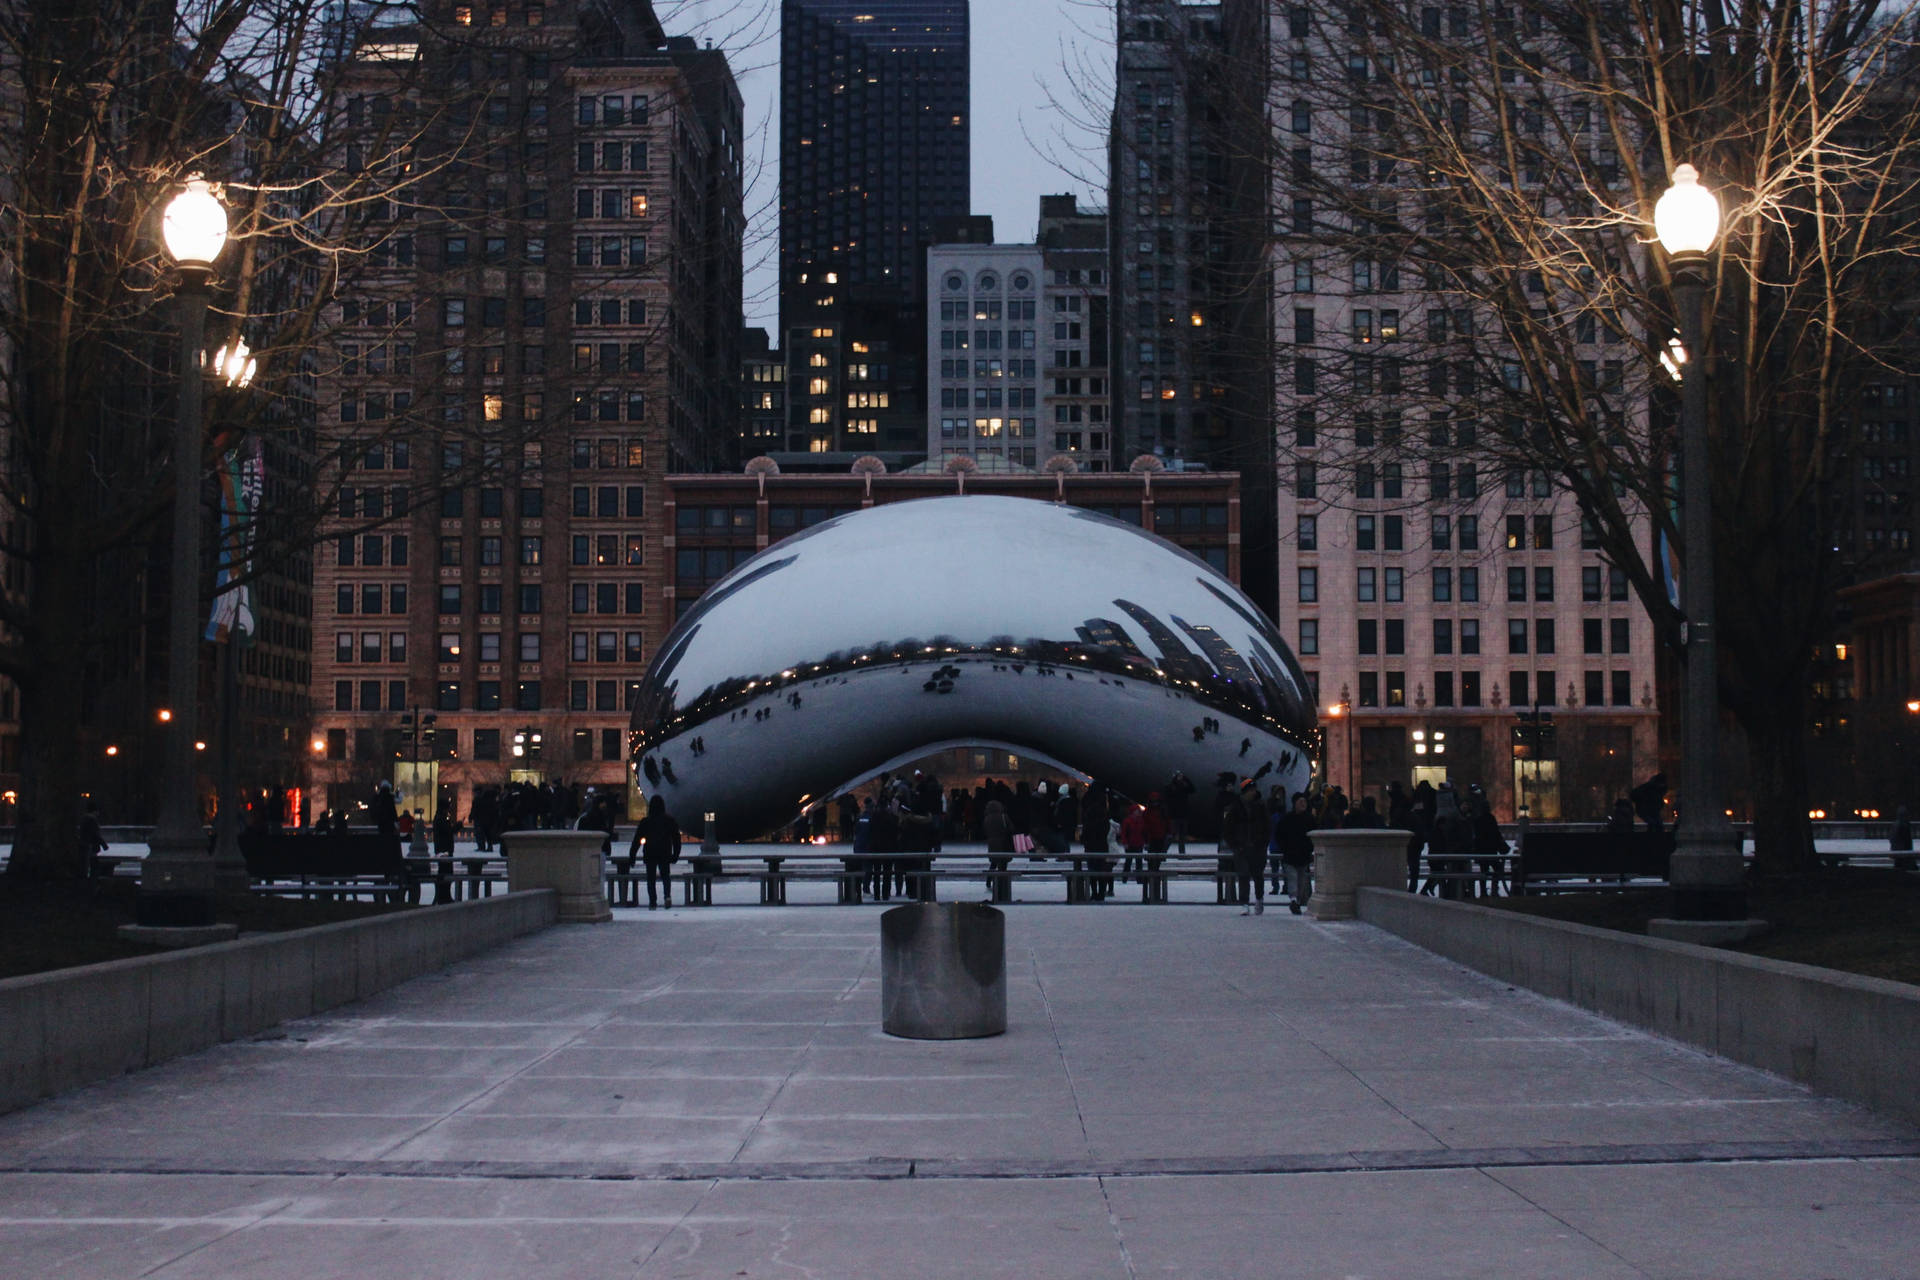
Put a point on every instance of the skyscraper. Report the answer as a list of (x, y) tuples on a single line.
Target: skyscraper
[(1188, 186), (874, 128)]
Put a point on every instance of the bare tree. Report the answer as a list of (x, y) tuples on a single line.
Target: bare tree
[(111, 105), (1504, 159)]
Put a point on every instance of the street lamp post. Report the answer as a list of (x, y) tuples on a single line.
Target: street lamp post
[(1708, 872), (177, 876), (234, 366)]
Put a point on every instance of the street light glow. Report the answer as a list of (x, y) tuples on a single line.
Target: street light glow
[(195, 225), (1687, 217), (234, 362)]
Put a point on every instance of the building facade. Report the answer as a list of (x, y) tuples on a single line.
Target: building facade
[(1456, 615), (983, 357), (561, 330)]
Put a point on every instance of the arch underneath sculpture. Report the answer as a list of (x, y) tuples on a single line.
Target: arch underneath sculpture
[(905, 758)]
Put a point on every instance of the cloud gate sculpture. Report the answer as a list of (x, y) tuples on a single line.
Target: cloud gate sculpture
[(877, 637)]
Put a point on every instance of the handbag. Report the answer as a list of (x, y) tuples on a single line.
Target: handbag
[(1022, 842)]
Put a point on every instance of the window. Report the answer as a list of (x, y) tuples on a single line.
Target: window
[(1595, 691), (1590, 583), (1621, 683), (1469, 688), (1393, 582), (1469, 636), (1470, 586), (1619, 635), (1442, 530), (1516, 635), (1363, 532), (1517, 689), (1309, 533), (526, 695), (1309, 636), (1543, 583), (1365, 585), (1308, 585), (529, 646), (447, 698), (1616, 583), (1442, 636), (1543, 635), (1590, 635), (1442, 585), (1516, 585), (530, 597), (1469, 531), (450, 599), (1367, 638), (1396, 636), (487, 696)]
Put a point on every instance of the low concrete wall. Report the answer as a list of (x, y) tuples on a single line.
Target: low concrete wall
[(1852, 1037), (70, 1027)]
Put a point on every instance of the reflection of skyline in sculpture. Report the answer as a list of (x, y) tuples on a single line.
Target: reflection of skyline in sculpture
[(786, 680)]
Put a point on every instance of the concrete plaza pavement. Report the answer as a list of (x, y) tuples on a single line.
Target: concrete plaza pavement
[(1182, 1091)]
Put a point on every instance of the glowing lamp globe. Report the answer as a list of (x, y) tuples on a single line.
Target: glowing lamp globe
[(1687, 217), (195, 225)]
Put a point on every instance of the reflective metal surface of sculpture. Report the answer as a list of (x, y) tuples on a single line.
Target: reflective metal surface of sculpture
[(877, 637)]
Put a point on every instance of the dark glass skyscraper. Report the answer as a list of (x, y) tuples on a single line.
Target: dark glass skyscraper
[(874, 128)]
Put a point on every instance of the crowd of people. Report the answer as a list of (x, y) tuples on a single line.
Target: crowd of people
[(1268, 835)]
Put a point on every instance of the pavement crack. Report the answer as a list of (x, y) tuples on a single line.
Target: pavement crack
[(1066, 1063), (1113, 1223)]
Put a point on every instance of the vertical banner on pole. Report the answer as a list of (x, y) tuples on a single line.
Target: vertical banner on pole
[(243, 477)]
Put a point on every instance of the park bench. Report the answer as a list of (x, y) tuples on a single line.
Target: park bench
[(1582, 859), (774, 867), (347, 864)]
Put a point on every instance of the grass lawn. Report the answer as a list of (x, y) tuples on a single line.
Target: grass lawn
[(54, 926), (1864, 920)]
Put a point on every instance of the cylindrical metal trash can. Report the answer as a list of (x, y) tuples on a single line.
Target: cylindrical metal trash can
[(943, 971)]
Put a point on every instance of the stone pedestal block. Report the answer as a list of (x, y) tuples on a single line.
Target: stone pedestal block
[(568, 862), (1346, 859)]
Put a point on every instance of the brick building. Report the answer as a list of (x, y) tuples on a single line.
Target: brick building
[(561, 330)]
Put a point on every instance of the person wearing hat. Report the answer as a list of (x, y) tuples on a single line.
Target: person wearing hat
[(1243, 834)]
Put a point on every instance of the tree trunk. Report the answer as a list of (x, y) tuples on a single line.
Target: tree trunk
[(1777, 746), (47, 843)]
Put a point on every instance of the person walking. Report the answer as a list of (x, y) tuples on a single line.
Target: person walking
[(1900, 840), (1420, 823), (1294, 834), (1243, 836), (386, 818), (657, 837), (1094, 838), (1177, 798), (998, 831)]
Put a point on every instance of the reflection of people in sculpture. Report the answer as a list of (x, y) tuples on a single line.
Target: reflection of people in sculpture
[(657, 837)]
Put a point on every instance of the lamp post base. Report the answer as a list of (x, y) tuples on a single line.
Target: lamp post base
[(176, 885), (1706, 933)]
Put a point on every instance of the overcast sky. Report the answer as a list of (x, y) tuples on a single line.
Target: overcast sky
[(1042, 71)]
